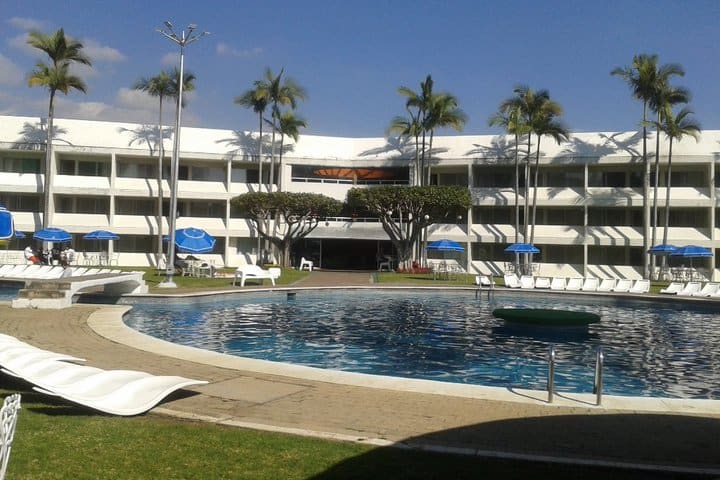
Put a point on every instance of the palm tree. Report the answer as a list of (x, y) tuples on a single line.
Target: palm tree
[(56, 77), (289, 125), (642, 78), (509, 117), (675, 128), (160, 86), (254, 99), (278, 93), (419, 103), (443, 112), (409, 127)]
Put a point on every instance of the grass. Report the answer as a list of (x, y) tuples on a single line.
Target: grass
[(57, 441), (153, 277)]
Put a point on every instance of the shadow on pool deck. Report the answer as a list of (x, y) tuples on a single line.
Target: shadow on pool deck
[(331, 410)]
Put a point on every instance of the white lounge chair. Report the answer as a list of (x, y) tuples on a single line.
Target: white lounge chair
[(8, 421), (306, 264), (574, 284), (622, 286), (640, 286), (483, 281), (558, 283), (590, 284), (708, 290), (254, 272), (606, 285), (527, 281), (511, 280), (542, 282), (690, 288), (673, 288)]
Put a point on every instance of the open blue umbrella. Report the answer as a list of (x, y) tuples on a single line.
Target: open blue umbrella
[(101, 235), (194, 240), (6, 224), (662, 249), (522, 248), (52, 234), (445, 246), (692, 251)]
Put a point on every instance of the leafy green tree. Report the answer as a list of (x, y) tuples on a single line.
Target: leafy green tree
[(56, 77), (258, 102), (509, 117), (642, 78), (675, 127), (296, 216), (405, 211), (289, 125)]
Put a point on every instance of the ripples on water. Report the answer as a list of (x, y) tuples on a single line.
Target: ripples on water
[(665, 350)]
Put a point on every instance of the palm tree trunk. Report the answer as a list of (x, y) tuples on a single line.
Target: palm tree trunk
[(535, 187), (260, 156), (527, 190), (667, 200), (429, 159), (646, 203), (280, 155), (161, 154), (655, 188), (48, 162), (418, 166), (517, 188)]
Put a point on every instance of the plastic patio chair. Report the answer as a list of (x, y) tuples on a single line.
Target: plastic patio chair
[(8, 421)]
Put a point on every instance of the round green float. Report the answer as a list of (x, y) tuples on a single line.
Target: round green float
[(546, 317)]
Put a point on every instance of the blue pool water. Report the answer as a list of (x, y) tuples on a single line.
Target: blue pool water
[(651, 349), (8, 292)]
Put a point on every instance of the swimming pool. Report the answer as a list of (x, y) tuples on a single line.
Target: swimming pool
[(651, 349)]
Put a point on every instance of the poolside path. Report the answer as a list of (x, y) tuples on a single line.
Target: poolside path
[(526, 429)]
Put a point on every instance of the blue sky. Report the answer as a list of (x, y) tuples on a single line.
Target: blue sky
[(352, 56)]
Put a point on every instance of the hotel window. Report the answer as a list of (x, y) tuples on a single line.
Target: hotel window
[(570, 254), (685, 217), (136, 170), (495, 215), (136, 206), (560, 216), (614, 217), (20, 202), (208, 174), (137, 243), (84, 168), (244, 175), (562, 177), (614, 255), (489, 252), (614, 178), (204, 209), (87, 205), (19, 165), (692, 178), (496, 177)]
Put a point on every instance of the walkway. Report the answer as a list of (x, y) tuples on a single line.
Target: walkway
[(518, 427)]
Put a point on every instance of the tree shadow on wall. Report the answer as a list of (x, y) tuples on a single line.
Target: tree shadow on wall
[(33, 136), (149, 135)]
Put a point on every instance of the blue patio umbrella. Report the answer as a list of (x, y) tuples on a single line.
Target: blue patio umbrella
[(6, 224), (19, 234), (194, 240), (101, 235), (522, 248), (52, 234), (662, 249), (692, 251), (445, 246)]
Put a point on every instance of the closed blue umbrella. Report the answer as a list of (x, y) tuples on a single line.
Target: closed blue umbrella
[(101, 235), (445, 246), (194, 240), (52, 234), (522, 248)]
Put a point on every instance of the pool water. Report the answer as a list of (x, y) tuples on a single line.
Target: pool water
[(8, 292), (651, 349)]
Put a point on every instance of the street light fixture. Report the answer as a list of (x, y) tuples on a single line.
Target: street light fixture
[(182, 40)]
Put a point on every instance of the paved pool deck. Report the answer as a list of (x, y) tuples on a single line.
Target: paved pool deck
[(667, 435)]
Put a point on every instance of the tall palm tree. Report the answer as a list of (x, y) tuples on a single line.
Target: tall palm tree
[(443, 111), (409, 127), (662, 102), (675, 128), (278, 92), (641, 76), (254, 99), (509, 118), (160, 86), (419, 103), (289, 125), (56, 77)]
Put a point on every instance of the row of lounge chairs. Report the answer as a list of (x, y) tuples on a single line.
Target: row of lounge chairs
[(578, 284), (693, 289), (117, 392), (49, 272)]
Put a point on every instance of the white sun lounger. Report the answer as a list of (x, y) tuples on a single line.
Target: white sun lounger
[(690, 288), (92, 385), (558, 283), (511, 281), (640, 286), (254, 272), (128, 398), (542, 282), (590, 284), (708, 290), (527, 281), (622, 286), (673, 288), (50, 371), (5, 268), (606, 285), (574, 284), (483, 281)]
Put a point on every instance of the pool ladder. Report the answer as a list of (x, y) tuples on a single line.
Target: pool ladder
[(597, 384)]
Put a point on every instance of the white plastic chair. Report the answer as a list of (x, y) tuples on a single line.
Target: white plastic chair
[(306, 263), (512, 281), (622, 286), (542, 282), (8, 421), (606, 285), (527, 281), (574, 284), (590, 284), (640, 286), (708, 290), (558, 283), (673, 288), (690, 288)]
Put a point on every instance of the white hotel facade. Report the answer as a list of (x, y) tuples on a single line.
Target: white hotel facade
[(589, 220)]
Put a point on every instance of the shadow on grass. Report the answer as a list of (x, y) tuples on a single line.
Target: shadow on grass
[(683, 441)]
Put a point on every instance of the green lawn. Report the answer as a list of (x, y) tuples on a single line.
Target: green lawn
[(58, 441), (153, 278)]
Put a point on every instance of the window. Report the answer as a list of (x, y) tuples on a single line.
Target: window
[(560, 216), (136, 206), (87, 205), (208, 174), (571, 254), (496, 177), (137, 243), (136, 170), (614, 217), (204, 209), (21, 202), (495, 215), (20, 165), (562, 177), (84, 168), (614, 178)]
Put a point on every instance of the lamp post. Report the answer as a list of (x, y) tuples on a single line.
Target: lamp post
[(182, 40)]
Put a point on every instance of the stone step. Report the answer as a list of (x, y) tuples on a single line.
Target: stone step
[(47, 285), (32, 293)]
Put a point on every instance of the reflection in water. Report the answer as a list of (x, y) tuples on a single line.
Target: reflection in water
[(668, 350)]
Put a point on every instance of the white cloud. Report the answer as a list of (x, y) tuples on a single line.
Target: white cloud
[(136, 99), (172, 59), (20, 43), (101, 53), (223, 49), (10, 74), (24, 23)]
